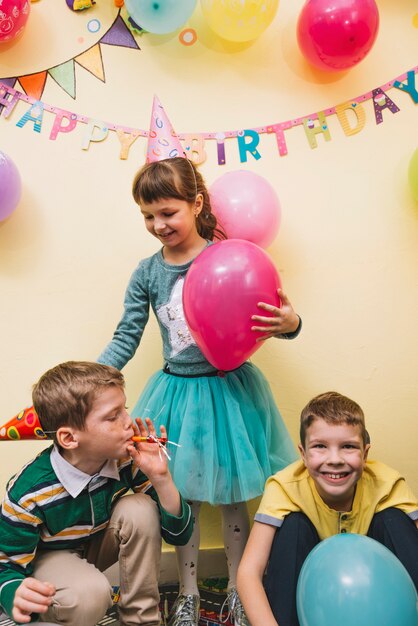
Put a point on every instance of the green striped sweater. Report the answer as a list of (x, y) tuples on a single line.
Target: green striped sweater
[(37, 512)]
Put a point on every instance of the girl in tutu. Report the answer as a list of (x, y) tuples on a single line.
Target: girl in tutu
[(230, 432)]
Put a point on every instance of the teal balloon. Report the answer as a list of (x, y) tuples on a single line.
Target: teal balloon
[(352, 580), (413, 174), (160, 16)]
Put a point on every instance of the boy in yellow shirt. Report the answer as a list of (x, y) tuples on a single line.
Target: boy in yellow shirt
[(333, 489)]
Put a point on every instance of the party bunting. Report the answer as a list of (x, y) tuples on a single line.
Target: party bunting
[(351, 116), (33, 84), (92, 61), (64, 74)]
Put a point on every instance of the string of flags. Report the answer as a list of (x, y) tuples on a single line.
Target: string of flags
[(64, 74)]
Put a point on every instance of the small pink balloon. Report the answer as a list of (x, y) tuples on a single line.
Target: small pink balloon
[(221, 291), (337, 34), (13, 17), (246, 206), (10, 186)]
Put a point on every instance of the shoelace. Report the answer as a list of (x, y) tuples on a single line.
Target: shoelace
[(233, 602), (187, 610)]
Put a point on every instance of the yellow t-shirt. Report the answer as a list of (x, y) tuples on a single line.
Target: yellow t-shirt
[(292, 490)]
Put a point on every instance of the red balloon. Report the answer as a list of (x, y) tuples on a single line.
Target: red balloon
[(221, 291), (13, 17), (337, 34)]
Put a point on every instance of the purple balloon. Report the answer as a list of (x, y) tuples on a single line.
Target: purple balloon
[(221, 291), (10, 186)]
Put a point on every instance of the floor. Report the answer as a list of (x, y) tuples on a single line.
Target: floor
[(212, 596)]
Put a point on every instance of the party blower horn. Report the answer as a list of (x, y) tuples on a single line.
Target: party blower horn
[(163, 143), (24, 425)]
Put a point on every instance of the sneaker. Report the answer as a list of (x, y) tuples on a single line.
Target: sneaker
[(185, 611), (235, 612)]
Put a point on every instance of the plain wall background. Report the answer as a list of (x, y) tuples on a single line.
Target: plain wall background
[(347, 248)]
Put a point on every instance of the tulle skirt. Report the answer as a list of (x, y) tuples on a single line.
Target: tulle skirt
[(231, 434)]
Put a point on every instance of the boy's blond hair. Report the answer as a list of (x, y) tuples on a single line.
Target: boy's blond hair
[(64, 395), (333, 408)]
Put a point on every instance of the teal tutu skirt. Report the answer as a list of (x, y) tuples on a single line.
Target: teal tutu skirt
[(231, 434)]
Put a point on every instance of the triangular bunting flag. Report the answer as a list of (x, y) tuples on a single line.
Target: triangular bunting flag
[(10, 82), (33, 84), (92, 61), (119, 35), (64, 75)]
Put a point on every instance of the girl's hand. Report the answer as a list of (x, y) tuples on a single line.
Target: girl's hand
[(148, 456), (32, 596), (283, 320)]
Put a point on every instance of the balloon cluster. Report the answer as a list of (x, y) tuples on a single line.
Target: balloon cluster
[(226, 281), (231, 20)]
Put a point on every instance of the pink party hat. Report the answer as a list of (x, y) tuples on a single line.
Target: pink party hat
[(163, 142)]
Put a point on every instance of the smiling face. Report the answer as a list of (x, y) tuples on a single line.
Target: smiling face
[(172, 221), (334, 455)]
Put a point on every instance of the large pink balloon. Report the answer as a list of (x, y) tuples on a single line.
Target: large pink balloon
[(222, 289), (337, 34), (10, 186), (14, 15), (246, 206)]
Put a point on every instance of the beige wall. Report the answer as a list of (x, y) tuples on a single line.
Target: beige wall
[(347, 249)]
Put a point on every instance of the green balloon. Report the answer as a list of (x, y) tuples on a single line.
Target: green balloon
[(413, 174)]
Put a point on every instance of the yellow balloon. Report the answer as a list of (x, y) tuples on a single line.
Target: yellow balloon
[(239, 20), (413, 174)]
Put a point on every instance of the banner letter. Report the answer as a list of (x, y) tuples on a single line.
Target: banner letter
[(311, 130), (95, 131), (409, 87), (126, 141), (194, 146), (251, 146), (59, 128), (382, 101), (35, 115), (360, 115)]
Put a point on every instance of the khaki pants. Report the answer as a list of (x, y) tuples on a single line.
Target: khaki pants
[(84, 594)]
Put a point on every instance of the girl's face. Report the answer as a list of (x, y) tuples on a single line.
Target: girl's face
[(172, 221)]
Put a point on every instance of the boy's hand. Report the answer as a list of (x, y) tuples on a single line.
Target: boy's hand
[(284, 320), (148, 456), (153, 462), (32, 596)]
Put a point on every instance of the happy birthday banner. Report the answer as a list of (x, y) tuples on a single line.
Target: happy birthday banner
[(351, 116)]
